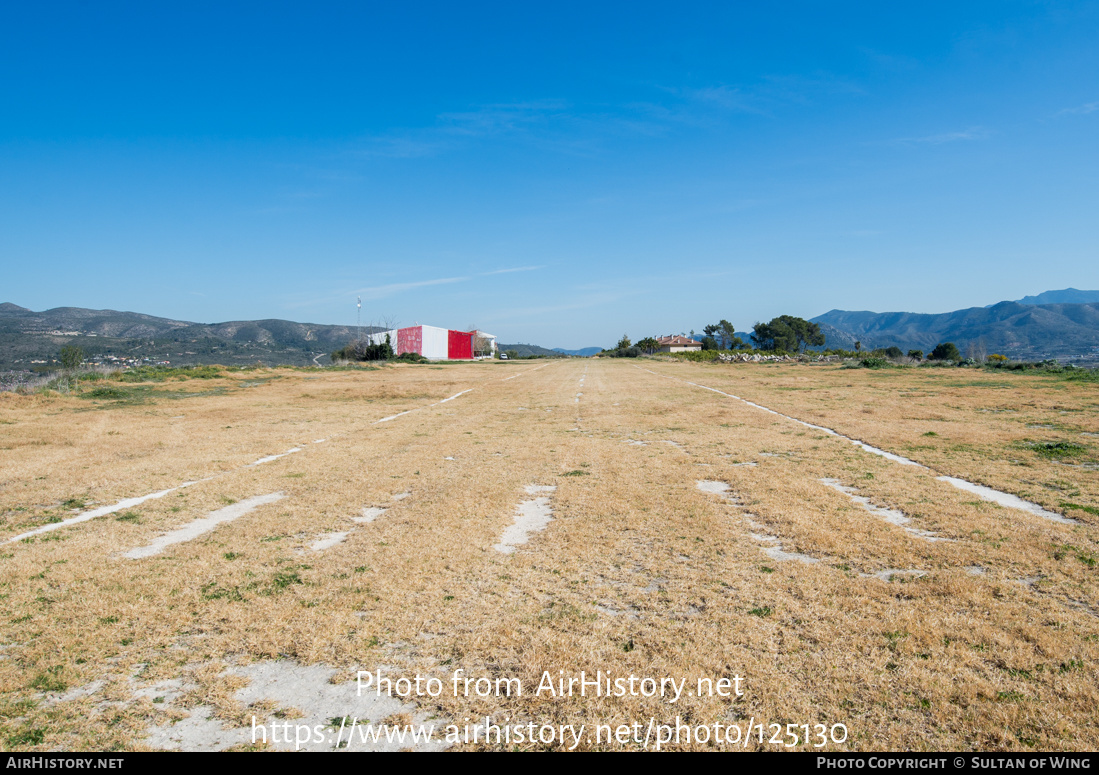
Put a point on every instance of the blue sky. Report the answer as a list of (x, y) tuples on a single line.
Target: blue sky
[(556, 175)]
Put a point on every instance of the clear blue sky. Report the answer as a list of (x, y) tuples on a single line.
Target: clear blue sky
[(556, 175)]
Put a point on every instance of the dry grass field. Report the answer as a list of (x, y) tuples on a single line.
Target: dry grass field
[(692, 535)]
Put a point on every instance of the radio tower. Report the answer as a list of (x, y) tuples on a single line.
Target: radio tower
[(358, 319)]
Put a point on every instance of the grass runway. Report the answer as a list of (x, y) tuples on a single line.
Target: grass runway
[(654, 529)]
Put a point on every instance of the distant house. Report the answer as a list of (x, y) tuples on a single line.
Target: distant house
[(676, 344)]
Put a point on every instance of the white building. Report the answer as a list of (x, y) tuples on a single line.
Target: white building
[(438, 344)]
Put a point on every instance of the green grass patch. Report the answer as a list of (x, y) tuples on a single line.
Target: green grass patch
[(110, 392), (212, 591), (1047, 368), (28, 736), (49, 680), (1078, 507), (1056, 450), (286, 579), (162, 373)]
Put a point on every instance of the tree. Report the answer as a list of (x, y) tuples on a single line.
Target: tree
[(724, 334), (916, 354), (382, 351), (772, 336), (71, 357), (806, 333), (648, 345), (945, 351), (977, 351), (482, 344), (709, 343), (786, 332), (365, 350), (624, 343), (893, 352)]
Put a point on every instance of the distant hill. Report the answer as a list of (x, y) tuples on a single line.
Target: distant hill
[(1067, 296), (834, 338), (525, 350), (585, 352), (1022, 331), (27, 336)]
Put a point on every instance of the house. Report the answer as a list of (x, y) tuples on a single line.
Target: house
[(676, 344)]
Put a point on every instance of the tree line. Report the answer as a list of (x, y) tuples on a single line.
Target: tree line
[(784, 333)]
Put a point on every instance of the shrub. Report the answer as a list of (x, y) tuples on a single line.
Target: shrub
[(874, 362), (945, 351), (696, 355), (624, 352), (360, 350), (71, 357), (916, 354)]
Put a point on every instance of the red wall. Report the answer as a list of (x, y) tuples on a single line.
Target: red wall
[(410, 340), (459, 344)]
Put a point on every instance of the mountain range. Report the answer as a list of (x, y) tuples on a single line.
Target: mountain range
[(1021, 330), (584, 352), (1055, 324), (27, 337), (1067, 296)]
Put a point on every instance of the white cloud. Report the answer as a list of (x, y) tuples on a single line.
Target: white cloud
[(1080, 110), (973, 133), (514, 269), (382, 291)]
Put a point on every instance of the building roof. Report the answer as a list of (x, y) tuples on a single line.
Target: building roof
[(677, 341)]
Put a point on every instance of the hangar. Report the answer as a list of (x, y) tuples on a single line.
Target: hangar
[(439, 344)]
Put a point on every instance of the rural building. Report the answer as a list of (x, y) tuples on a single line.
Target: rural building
[(439, 344), (676, 344)]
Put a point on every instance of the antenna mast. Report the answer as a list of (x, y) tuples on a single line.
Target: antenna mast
[(358, 319)]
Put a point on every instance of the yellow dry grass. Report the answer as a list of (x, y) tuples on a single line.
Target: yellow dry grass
[(640, 572)]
